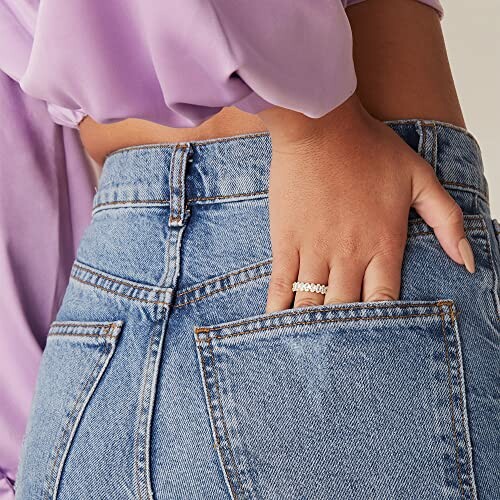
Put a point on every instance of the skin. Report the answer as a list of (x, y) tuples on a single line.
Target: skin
[(341, 186)]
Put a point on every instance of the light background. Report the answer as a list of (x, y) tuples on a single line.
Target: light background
[(472, 33)]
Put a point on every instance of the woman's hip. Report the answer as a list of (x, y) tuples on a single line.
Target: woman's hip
[(163, 375)]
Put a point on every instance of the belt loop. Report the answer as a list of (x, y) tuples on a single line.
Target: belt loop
[(177, 184), (428, 142)]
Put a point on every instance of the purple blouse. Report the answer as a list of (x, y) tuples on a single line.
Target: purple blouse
[(176, 63)]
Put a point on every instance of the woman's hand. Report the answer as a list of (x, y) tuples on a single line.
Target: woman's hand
[(341, 187)]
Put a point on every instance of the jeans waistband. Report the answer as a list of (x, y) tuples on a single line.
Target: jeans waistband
[(217, 170)]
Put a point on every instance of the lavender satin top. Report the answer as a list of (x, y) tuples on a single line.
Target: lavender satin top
[(174, 62)]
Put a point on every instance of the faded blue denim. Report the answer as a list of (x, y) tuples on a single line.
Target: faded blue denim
[(164, 378)]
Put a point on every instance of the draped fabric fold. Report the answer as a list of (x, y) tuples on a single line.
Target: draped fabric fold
[(46, 191)]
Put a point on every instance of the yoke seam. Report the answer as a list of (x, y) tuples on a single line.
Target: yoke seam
[(114, 292), (135, 286)]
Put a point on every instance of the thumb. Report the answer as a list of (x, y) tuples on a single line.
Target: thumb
[(440, 211)]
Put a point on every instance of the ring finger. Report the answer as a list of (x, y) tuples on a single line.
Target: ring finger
[(311, 270)]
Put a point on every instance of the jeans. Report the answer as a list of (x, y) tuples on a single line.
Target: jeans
[(163, 377)]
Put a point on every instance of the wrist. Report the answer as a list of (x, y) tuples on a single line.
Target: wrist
[(291, 128)]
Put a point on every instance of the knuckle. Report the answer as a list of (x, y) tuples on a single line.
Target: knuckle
[(319, 246), (389, 245), (350, 247), (334, 300), (380, 294), (279, 285), (455, 215), (450, 217), (305, 302)]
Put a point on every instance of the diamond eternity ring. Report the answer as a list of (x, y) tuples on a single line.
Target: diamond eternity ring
[(301, 286)]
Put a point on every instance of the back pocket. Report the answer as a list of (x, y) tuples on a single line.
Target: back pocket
[(74, 360), (357, 401)]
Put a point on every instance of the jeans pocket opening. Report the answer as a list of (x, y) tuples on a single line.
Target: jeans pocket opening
[(286, 391)]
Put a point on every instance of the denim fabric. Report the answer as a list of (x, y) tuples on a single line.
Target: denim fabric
[(163, 377)]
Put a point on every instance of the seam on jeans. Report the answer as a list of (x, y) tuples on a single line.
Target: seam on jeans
[(76, 335), (151, 405), (166, 202), (222, 196), (108, 290), (54, 331), (89, 393), (140, 419), (336, 308), (461, 184), (212, 416), (129, 284), (461, 400), (62, 437), (451, 409), (466, 230), (166, 268), (475, 199), (65, 324), (224, 276), (198, 331), (199, 143), (224, 424), (228, 287), (128, 202)]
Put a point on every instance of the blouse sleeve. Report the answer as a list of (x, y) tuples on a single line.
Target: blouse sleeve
[(179, 62)]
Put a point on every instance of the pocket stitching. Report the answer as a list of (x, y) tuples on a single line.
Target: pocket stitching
[(229, 447), (332, 308), (64, 438), (314, 322), (60, 328), (452, 406), (74, 416), (450, 312)]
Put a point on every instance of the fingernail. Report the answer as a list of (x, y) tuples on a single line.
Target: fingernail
[(467, 255)]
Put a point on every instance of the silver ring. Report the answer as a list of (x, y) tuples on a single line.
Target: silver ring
[(301, 286)]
